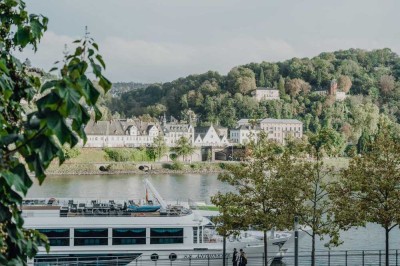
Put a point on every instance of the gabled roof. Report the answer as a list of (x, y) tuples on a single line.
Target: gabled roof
[(113, 127)]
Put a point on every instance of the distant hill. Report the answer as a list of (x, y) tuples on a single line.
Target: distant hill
[(119, 88), (369, 78)]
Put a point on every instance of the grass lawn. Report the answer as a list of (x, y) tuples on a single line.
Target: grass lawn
[(89, 155), (208, 208)]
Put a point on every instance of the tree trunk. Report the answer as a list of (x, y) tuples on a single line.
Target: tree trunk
[(265, 248), (313, 250), (387, 230), (224, 252)]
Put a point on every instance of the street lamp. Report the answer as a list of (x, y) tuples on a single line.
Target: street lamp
[(296, 241)]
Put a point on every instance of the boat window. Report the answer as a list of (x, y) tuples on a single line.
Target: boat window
[(201, 234), (129, 236), (195, 235), (57, 237), (91, 237), (166, 235)]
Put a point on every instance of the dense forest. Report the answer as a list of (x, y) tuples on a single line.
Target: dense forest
[(370, 78), (118, 88)]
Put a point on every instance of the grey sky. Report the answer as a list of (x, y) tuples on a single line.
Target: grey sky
[(160, 40)]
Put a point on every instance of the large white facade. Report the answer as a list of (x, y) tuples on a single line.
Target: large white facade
[(266, 94), (120, 133), (277, 129)]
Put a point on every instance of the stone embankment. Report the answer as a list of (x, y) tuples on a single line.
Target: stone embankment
[(130, 168)]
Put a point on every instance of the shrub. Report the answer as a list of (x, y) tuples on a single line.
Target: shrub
[(71, 153), (176, 165), (118, 154), (166, 166)]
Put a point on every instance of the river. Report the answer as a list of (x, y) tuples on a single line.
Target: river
[(198, 187)]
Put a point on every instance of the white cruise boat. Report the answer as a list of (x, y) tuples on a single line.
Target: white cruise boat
[(129, 233)]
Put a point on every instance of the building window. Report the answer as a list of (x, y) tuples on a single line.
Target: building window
[(201, 234), (91, 237), (195, 235), (129, 236), (57, 237), (166, 235)]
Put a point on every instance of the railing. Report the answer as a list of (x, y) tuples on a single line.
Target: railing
[(346, 258), (323, 258)]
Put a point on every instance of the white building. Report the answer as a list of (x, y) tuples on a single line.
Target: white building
[(340, 96), (281, 129), (266, 94), (174, 130), (277, 129), (120, 133), (210, 136), (244, 133)]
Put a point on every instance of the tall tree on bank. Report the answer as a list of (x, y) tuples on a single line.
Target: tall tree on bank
[(183, 148), (369, 189), (159, 147), (33, 119), (316, 212), (261, 78), (259, 182)]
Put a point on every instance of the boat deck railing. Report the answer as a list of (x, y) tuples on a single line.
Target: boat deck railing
[(98, 208), (322, 258)]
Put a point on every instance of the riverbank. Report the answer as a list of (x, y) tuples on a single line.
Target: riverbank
[(112, 168), (91, 160)]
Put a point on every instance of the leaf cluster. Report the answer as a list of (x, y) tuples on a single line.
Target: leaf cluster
[(36, 119)]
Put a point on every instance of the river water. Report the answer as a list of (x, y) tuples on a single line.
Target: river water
[(197, 187)]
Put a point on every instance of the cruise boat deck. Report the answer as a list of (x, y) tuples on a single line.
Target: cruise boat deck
[(96, 207)]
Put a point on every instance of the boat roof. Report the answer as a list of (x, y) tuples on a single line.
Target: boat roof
[(39, 222)]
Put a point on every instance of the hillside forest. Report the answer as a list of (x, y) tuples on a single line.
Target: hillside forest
[(369, 78)]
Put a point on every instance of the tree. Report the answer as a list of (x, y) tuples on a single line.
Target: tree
[(261, 78), (159, 146), (281, 86), (316, 211), (386, 84), (229, 220), (344, 83), (295, 86), (183, 147), (369, 189), (32, 134), (241, 79), (259, 182)]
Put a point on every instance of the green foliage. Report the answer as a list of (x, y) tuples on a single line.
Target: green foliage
[(129, 154), (183, 148), (70, 153), (177, 165), (159, 148), (369, 189), (265, 196), (32, 134), (118, 154)]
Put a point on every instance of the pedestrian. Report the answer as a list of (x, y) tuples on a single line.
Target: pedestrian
[(235, 257), (242, 258)]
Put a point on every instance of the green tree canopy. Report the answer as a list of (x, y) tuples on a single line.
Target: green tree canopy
[(183, 147), (369, 189)]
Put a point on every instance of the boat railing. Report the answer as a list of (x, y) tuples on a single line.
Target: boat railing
[(95, 208)]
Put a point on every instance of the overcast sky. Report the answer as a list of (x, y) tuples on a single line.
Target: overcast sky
[(161, 40)]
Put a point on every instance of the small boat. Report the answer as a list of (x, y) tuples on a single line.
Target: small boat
[(143, 208)]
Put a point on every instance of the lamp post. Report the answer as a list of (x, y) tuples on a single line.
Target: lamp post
[(296, 241)]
